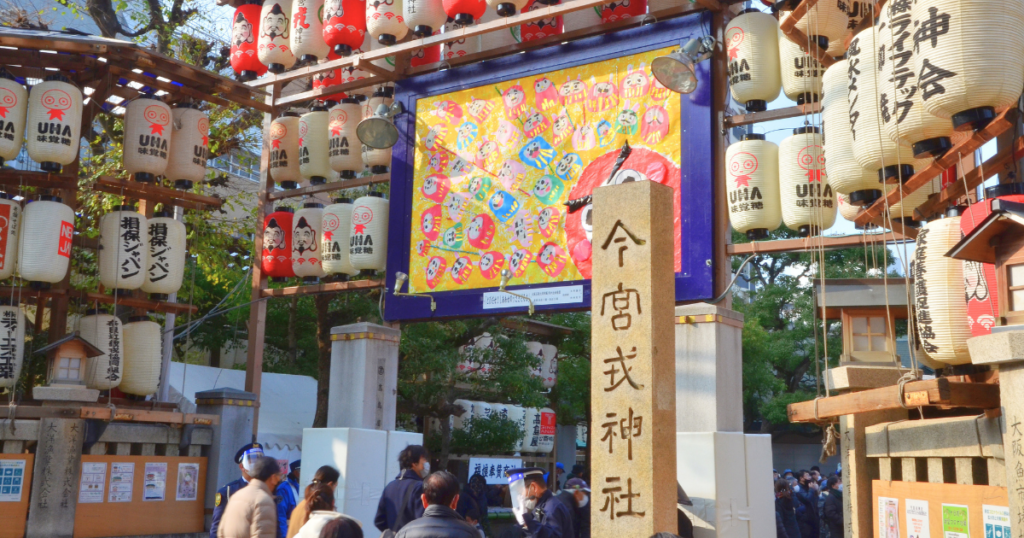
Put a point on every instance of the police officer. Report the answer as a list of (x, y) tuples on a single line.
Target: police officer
[(536, 508), (244, 458)]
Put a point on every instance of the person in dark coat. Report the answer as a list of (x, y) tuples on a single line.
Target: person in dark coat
[(834, 507), (785, 508), (398, 503), (474, 496), (780, 529), (539, 512), (576, 495), (245, 455), (807, 508), (440, 520)]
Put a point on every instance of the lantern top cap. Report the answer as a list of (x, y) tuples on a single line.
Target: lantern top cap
[(349, 101), (135, 319), (5, 196), (343, 200), (163, 214), (59, 78), (125, 207), (375, 194), (954, 211), (318, 106), (750, 10), (290, 114), (50, 198), (194, 106), (94, 312), (807, 129), (312, 205), (285, 209), (148, 96), (753, 136)]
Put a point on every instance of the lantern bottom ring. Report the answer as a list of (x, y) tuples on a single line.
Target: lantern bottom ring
[(310, 280), (341, 277), (308, 59), (806, 98), (463, 19), (144, 177), (379, 169), (279, 279), (897, 173), (506, 9), (387, 40), (864, 197), (276, 69), (246, 76), (348, 174), (933, 147), (422, 31), (973, 119), (907, 222), (289, 185), (368, 272), (756, 105), (183, 184), (317, 180), (51, 167), (757, 234), (39, 285), (343, 50), (158, 296), (808, 230)]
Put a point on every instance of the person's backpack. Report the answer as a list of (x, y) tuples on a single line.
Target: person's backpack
[(400, 521)]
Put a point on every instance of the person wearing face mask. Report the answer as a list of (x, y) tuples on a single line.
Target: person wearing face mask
[(536, 509), (834, 507), (244, 458), (400, 501), (785, 510), (474, 497), (576, 495)]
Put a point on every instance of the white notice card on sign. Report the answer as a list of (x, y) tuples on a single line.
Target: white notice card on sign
[(121, 477), (917, 519), (94, 477), (12, 477), (154, 484), (996, 520), (888, 517)]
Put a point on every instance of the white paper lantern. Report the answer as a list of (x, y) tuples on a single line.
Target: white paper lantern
[(387, 62), (142, 355), (459, 422), (147, 138), (855, 10), (507, 8), (284, 150), (482, 410), (306, 229), (10, 224), (827, 18), (903, 209), (385, 22), (54, 124), (12, 344), (274, 44), (752, 186), (123, 253), (531, 430), (462, 46), (537, 350), (499, 410), (518, 415), (497, 39), (307, 33), (423, 17), (368, 243), (106, 333), (846, 209), (336, 229), (969, 57), (378, 160), (546, 437), (165, 239), (314, 156), (549, 371), (44, 245), (808, 203), (186, 162), (939, 293), (801, 73), (752, 44), (845, 174), (13, 108), (345, 149)]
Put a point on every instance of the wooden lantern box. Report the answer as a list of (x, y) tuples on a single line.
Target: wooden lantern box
[(868, 324)]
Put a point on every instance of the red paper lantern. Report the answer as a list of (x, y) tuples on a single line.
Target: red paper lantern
[(464, 12), (542, 28), (326, 79), (244, 26), (344, 25), (277, 244), (426, 56), (623, 9)]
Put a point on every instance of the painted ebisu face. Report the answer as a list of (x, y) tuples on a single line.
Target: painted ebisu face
[(273, 236), (275, 24), (303, 237), (241, 30)]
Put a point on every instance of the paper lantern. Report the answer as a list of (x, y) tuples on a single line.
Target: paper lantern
[(186, 162), (499, 410), (856, 10), (44, 245), (54, 123), (902, 211), (537, 350), (314, 156), (622, 10), (244, 26), (284, 150), (274, 44), (517, 414), (345, 150), (427, 55), (142, 354), (10, 223), (481, 410), (147, 138), (801, 73), (351, 73), (104, 331), (123, 253), (344, 25), (424, 17), (385, 22), (903, 114), (336, 230), (548, 27), (845, 174), (585, 18), (464, 12), (277, 244), (459, 421), (752, 167), (507, 8), (967, 56), (531, 430), (306, 229), (307, 32), (13, 108), (549, 371), (808, 203), (165, 238), (368, 243), (545, 423), (462, 46), (846, 209), (495, 40), (12, 334), (826, 19), (942, 326), (752, 42)]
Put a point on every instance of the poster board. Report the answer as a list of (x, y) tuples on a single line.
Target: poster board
[(489, 155), (945, 511), (14, 514), (134, 514)]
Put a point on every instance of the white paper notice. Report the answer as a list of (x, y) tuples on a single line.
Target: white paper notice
[(12, 477), (888, 517), (94, 476), (917, 519), (121, 477), (996, 520), (155, 483), (493, 469), (188, 481), (542, 296)]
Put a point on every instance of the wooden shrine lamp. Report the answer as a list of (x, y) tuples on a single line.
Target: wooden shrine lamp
[(868, 325), (69, 360)]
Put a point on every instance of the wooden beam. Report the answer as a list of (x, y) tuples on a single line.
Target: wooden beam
[(327, 287), (328, 187), (1004, 161), (771, 115), (156, 193), (932, 392), (135, 302), (808, 243), (534, 327), (24, 178), (303, 97), (788, 28), (121, 414)]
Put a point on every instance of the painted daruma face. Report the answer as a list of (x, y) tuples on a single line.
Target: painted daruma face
[(547, 221), (480, 231), (491, 264), (435, 270), (436, 187)]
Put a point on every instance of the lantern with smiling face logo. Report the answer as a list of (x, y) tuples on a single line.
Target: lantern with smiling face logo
[(569, 167), (514, 100), (466, 135), (455, 203), (548, 220), (430, 223), (435, 187), (480, 232), (535, 123), (461, 270), (551, 259), (480, 188), (519, 261), (604, 96), (503, 205), (491, 264), (654, 127), (628, 120), (537, 153), (561, 128), (511, 175), (435, 271), (546, 94), (548, 189)]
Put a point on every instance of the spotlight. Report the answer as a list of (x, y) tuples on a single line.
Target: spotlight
[(677, 71)]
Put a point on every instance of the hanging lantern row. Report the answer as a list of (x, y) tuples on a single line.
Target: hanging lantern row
[(538, 424), (139, 253), (162, 142)]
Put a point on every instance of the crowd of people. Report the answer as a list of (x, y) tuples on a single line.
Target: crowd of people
[(808, 505)]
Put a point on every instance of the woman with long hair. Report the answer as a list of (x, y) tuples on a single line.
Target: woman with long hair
[(326, 477), (342, 527)]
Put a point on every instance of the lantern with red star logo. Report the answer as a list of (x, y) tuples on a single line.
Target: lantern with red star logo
[(368, 244), (244, 26), (54, 123), (345, 149), (808, 203), (186, 163), (752, 185), (13, 106), (147, 138)]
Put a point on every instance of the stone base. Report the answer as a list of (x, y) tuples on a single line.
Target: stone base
[(863, 377), (998, 347), (65, 394)]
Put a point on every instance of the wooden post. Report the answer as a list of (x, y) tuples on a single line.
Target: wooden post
[(719, 142)]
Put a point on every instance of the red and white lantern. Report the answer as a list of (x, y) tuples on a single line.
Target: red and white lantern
[(345, 150), (621, 10), (274, 45), (13, 108), (368, 243), (464, 12), (344, 25), (336, 229), (385, 22), (306, 229), (277, 244), (540, 29), (461, 46), (244, 27), (307, 33), (10, 223), (808, 203), (44, 246)]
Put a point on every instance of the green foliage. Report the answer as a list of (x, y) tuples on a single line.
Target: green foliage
[(572, 389), (488, 435)]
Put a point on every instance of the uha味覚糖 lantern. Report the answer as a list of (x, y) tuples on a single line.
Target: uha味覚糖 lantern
[(855, 10), (54, 123), (12, 333), (13, 108), (314, 160), (142, 355), (10, 223), (186, 162), (621, 10), (123, 252), (368, 242), (344, 25), (540, 29), (284, 150), (277, 244), (752, 186), (335, 230), (939, 292), (808, 203), (801, 72), (44, 244), (307, 32), (306, 228), (752, 45), (165, 241), (845, 174), (464, 12), (423, 17), (385, 22), (274, 44), (345, 150), (245, 60), (104, 331), (147, 138)]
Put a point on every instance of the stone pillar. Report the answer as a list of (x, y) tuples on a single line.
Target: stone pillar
[(709, 369), (235, 409), (364, 377), (565, 448), (57, 470)]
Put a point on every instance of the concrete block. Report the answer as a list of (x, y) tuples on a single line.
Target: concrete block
[(970, 437), (358, 454), (364, 377), (397, 441), (235, 409), (65, 393), (760, 491), (19, 430), (997, 348), (55, 477), (709, 369), (711, 468), (863, 377)]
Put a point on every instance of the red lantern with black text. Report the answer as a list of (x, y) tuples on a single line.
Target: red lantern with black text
[(277, 244), (326, 79), (244, 26), (465, 12)]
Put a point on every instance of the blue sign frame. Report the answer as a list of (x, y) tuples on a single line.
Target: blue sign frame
[(696, 279)]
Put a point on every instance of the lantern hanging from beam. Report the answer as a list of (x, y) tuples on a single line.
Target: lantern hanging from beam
[(531, 417), (274, 44), (44, 245), (123, 253), (307, 32), (424, 17), (244, 26), (12, 333), (336, 229), (105, 332), (284, 150), (464, 12), (752, 184), (186, 162), (13, 108), (808, 203), (938, 286), (547, 426), (548, 27), (622, 10), (855, 10), (586, 18), (387, 62), (495, 40), (459, 421), (314, 160), (845, 174), (345, 150), (507, 8), (54, 123), (752, 43), (427, 55), (277, 244), (306, 242), (142, 354), (902, 211), (344, 25), (368, 243), (385, 22), (801, 72), (165, 240), (457, 48), (549, 371), (517, 414), (826, 19), (147, 138), (10, 223)]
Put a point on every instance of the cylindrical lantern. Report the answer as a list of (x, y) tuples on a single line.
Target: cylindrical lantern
[(826, 19), (457, 48), (540, 29), (459, 421), (12, 336), (147, 138), (336, 229), (306, 229), (368, 242), (549, 373), (499, 410), (345, 149), (517, 414), (10, 223), (584, 18), (385, 22), (165, 237), (801, 72), (44, 245), (274, 45), (186, 162), (536, 349), (547, 426), (967, 56), (106, 333), (423, 17), (244, 27), (13, 108), (495, 40), (352, 73), (531, 430), (752, 167), (314, 159), (939, 292), (464, 12), (307, 33), (54, 123), (124, 254), (427, 55), (507, 8), (284, 150), (856, 10), (481, 410), (903, 114), (846, 209), (845, 174), (622, 10), (142, 352), (902, 210), (344, 25), (277, 244), (752, 42), (808, 203)]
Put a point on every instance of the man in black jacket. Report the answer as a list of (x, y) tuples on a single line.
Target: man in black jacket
[(537, 510), (440, 520), (576, 495), (400, 501), (834, 507)]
